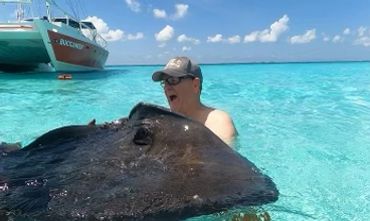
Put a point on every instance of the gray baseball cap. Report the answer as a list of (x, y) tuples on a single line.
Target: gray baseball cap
[(179, 67)]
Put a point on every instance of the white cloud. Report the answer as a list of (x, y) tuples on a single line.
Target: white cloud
[(269, 35), (305, 38), (165, 34), (158, 13), (113, 35), (276, 29), (325, 37), (100, 25), (138, 36), (234, 39), (181, 11), (184, 38), (347, 31), (185, 48), (363, 37), (214, 39), (361, 31), (104, 30), (134, 5), (252, 37), (219, 38), (365, 41), (337, 38)]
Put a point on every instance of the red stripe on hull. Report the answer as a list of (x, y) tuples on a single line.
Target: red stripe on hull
[(16, 27), (73, 51)]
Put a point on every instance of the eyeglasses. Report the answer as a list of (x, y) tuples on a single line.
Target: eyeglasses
[(174, 80)]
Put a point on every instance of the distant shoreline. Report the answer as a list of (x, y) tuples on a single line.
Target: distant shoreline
[(251, 63)]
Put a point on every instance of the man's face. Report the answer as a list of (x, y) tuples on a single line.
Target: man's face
[(179, 91)]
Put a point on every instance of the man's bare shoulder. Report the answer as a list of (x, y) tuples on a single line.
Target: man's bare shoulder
[(221, 124), (217, 114)]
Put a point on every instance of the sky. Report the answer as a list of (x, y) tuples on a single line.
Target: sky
[(224, 31)]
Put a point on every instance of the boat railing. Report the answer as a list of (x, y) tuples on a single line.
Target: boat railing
[(85, 27), (92, 34), (20, 7)]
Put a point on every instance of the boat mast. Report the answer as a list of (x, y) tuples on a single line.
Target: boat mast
[(48, 9)]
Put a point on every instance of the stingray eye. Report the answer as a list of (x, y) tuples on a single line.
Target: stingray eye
[(143, 136)]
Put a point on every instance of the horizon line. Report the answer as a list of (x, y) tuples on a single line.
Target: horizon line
[(257, 62)]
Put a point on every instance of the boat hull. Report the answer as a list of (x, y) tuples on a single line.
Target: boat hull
[(41, 42), (21, 46), (71, 53)]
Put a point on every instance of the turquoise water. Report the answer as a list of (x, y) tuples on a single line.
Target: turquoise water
[(306, 125)]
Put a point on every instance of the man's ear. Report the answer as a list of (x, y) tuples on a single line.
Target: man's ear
[(196, 85)]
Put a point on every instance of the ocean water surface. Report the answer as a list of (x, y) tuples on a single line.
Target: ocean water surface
[(306, 125)]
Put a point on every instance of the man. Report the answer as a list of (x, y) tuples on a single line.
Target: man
[(182, 81)]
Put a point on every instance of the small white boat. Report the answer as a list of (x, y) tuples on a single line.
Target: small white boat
[(62, 43)]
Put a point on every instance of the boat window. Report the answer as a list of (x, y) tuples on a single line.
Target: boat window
[(87, 24), (74, 24), (63, 20), (71, 22)]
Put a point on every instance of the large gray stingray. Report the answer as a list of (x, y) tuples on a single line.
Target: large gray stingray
[(155, 164)]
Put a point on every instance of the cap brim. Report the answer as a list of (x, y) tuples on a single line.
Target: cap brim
[(159, 75)]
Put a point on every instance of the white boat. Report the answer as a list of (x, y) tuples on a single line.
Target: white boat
[(62, 43)]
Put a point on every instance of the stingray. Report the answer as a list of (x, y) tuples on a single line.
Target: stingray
[(152, 165)]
